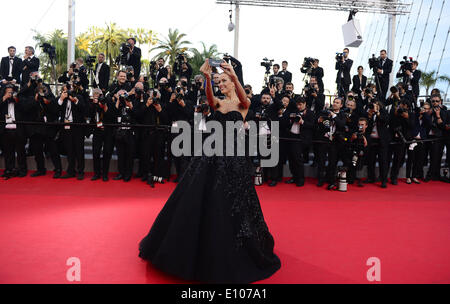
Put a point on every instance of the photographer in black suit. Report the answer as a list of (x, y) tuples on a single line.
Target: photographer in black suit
[(101, 73), (134, 56), (100, 113), (359, 82), (13, 108), (285, 74), (181, 67), (30, 64), (161, 71), (383, 70), (72, 110), (10, 68), (379, 140), (315, 99), (311, 67), (299, 124), (343, 66), (43, 108), (411, 78)]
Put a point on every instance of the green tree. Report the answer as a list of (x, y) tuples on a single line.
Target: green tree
[(428, 80), (446, 80), (199, 57), (172, 45), (58, 39)]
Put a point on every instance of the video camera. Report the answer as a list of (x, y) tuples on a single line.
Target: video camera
[(90, 60), (267, 64), (339, 56), (308, 62), (49, 50), (374, 62), (406, 64)]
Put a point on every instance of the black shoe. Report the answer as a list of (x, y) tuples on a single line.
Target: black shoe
[(300, 183), (57, 174), (68, 175), (22, 174), (127, 179), (291, 181), (320, 183), (273, 184), (369, 181), (331, 186), (105, 178), (38, 173), (394, 181), (95, 177), (144, 178), (360, 184), (80, 176), (118, 177), (384, 185)]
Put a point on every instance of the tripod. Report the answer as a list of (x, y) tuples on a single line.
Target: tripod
[(52, 58)]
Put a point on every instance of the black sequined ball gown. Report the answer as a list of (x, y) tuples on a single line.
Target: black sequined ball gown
[(212, 228)]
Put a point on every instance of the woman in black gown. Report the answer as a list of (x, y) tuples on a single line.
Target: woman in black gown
[(211, 228)]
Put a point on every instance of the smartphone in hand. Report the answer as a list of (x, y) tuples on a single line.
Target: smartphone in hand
[(215, 62)]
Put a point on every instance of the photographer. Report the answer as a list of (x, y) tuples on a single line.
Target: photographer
[(121, 83), (379, 140), (300, 124), (401, 123), (285, 74), (197, 89), (264, 113), (165, 90), (368, 96), (332, 128), (42, 108), (133, 56), (72, 110), (411, 78), (315, 99), (76, 75), (30, 64), (180, 108), (344, 66), (100, 113), (124, 111), (102, 72), (383, 70), (276, 76), (416, 150), (154, 139), (10, 68), (181, 67), (171, 77), (438, 118), (311, 67), (254, 99), (352, 113), (359, 82), (358, 148), (159, 71), (12, 108)]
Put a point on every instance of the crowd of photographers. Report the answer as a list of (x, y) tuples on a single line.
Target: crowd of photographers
[(365, 124)]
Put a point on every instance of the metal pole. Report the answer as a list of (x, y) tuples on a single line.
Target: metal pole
[(71, 35), (391, 44), (236, 31)]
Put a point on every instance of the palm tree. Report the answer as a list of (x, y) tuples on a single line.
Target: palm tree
[(199, 57), (172, 45), (446, 79), (108, 40), (428, 80)]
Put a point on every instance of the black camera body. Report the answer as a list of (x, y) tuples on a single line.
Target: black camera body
[(267, 64), (49, 50), (374, 62), (406, 64), (308, 62), (90, 60), (339, 56)]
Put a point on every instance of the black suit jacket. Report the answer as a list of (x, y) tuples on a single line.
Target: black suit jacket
[(344, 67), (135, 61), (414, 81), (387, 69), (286, 75), (359, 85), (103, 77), (29, 66), (16, 71)]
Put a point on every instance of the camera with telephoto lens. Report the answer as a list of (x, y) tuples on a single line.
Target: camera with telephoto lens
[(374, 62), (400, 111), (368, 91), (155, 97), (358, 147), (325, 115), (296, 117), (267, 64), (123, 98), (35, 80), (180, 59), (406, 64), (178, 90)]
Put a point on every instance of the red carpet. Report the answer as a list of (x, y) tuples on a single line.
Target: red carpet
[(320, 236)]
